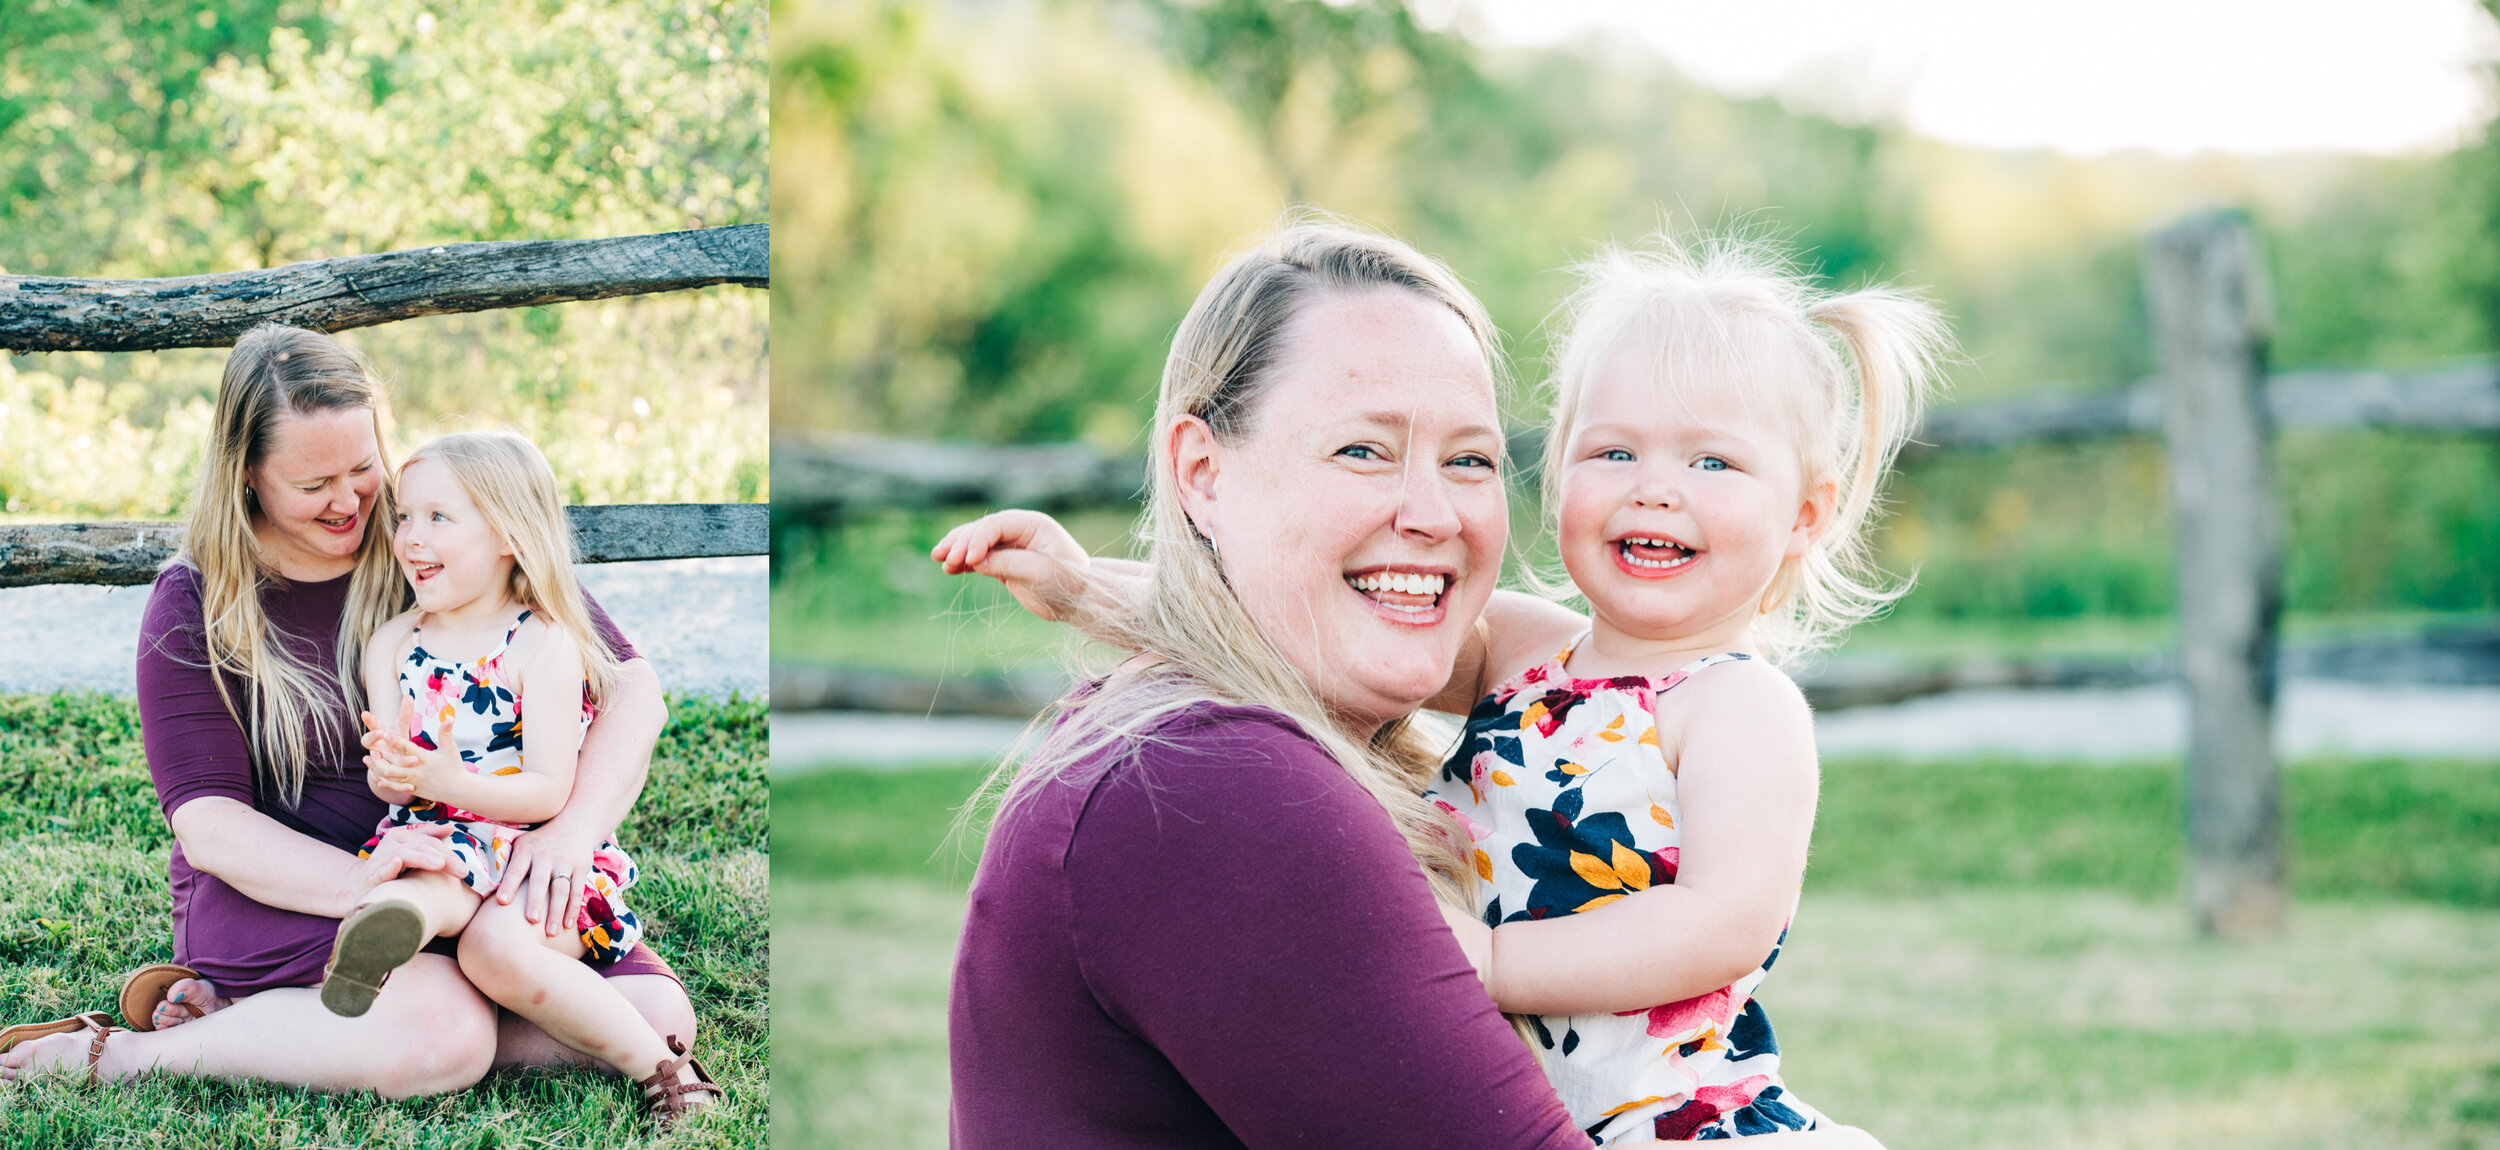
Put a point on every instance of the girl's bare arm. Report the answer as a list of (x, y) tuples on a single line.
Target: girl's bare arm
[(1746, 778), (537, 790)]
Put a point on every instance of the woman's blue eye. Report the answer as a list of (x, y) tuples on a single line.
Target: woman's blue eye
[(1711, 463), (1360, 451), (1472, 460)]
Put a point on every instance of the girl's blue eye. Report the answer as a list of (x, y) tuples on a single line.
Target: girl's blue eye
[(1615, 455), (1711, 463)]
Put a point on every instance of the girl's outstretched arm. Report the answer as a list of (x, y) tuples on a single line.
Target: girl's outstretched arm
[(1048, 572), (1743, 753)]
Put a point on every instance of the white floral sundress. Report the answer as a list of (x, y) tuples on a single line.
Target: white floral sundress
[(486, 724), (1571, 805)]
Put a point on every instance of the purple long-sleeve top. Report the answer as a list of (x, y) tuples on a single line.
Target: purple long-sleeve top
[(1213, 938), (196, 750)]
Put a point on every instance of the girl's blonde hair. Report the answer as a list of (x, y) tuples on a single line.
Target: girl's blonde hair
[(515, 489), (1849, 373), (292, 712), (1225, 352)]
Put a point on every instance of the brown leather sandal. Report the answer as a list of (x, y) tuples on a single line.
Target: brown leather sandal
[(145, 990), (94, 1020), (665, 1096)]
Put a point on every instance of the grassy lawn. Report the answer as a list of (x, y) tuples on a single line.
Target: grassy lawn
[(83, 900), (1987, 955)]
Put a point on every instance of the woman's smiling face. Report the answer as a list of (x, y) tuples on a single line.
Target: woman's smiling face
[(315, 491), (1360, 517)]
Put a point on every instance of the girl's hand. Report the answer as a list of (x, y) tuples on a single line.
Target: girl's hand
[(403, 765), (1041, 564)]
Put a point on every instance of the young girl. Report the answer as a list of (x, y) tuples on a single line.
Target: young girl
[(484, 542), (1639, 785)]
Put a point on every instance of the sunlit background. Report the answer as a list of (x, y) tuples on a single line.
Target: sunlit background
[(990, 216)]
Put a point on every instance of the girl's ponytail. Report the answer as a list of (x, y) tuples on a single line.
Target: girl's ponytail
[(1893, 340)]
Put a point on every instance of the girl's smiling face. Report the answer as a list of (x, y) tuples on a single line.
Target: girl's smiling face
[(1680, 502), (451, 557), (1360, 516), (315, 490)]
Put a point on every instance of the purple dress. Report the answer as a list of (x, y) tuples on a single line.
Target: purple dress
[(1220, 940), (196, 750)]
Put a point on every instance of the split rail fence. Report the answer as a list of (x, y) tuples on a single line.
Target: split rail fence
[(2210, 400), (41, 313)]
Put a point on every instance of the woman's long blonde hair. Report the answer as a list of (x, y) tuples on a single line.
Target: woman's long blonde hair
[(1847, 371), (1223, 355), (515, 489), (292, 712)]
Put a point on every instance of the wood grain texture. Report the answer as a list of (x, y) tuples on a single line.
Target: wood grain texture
[(130, 554), (2207, 292), (40, 313)]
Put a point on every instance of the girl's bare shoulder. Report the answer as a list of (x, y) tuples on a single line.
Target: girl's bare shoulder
[(388, 637)]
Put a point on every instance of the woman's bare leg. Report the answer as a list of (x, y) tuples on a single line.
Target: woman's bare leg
[(429, 1032)]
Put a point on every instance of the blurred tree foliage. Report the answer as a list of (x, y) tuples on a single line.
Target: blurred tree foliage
[(168, 139), (991, 219)]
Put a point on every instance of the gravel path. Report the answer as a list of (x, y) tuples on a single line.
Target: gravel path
[(2313, 716), (701, 622)]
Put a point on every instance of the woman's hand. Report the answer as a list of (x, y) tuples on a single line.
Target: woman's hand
[(1041, 564), (416, 847), (546, 870)]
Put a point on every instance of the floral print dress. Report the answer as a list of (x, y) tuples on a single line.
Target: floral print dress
[(485, 719), (1571, 805)]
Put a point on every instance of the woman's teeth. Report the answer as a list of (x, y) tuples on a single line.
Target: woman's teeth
[(1406, 582), (1655, 554)]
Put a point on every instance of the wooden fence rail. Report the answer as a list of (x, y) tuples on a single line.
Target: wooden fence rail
[(39, 313), (829, 476), (128, 554)]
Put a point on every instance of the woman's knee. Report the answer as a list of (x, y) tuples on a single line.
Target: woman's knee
[(440, 1032), (661, 1001)]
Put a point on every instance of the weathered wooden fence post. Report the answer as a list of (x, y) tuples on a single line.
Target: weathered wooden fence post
[(2210, 318)]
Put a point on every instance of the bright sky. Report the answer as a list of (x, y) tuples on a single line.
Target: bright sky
[(2175, 76)]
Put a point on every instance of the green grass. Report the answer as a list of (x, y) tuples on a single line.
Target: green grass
[(1988, 954), (83, 900)]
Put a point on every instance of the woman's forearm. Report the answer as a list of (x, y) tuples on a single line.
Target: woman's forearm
[(265, 860), (616, 751)]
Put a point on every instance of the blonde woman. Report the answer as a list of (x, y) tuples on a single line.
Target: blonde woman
[(249, 681), (1199, 919)]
